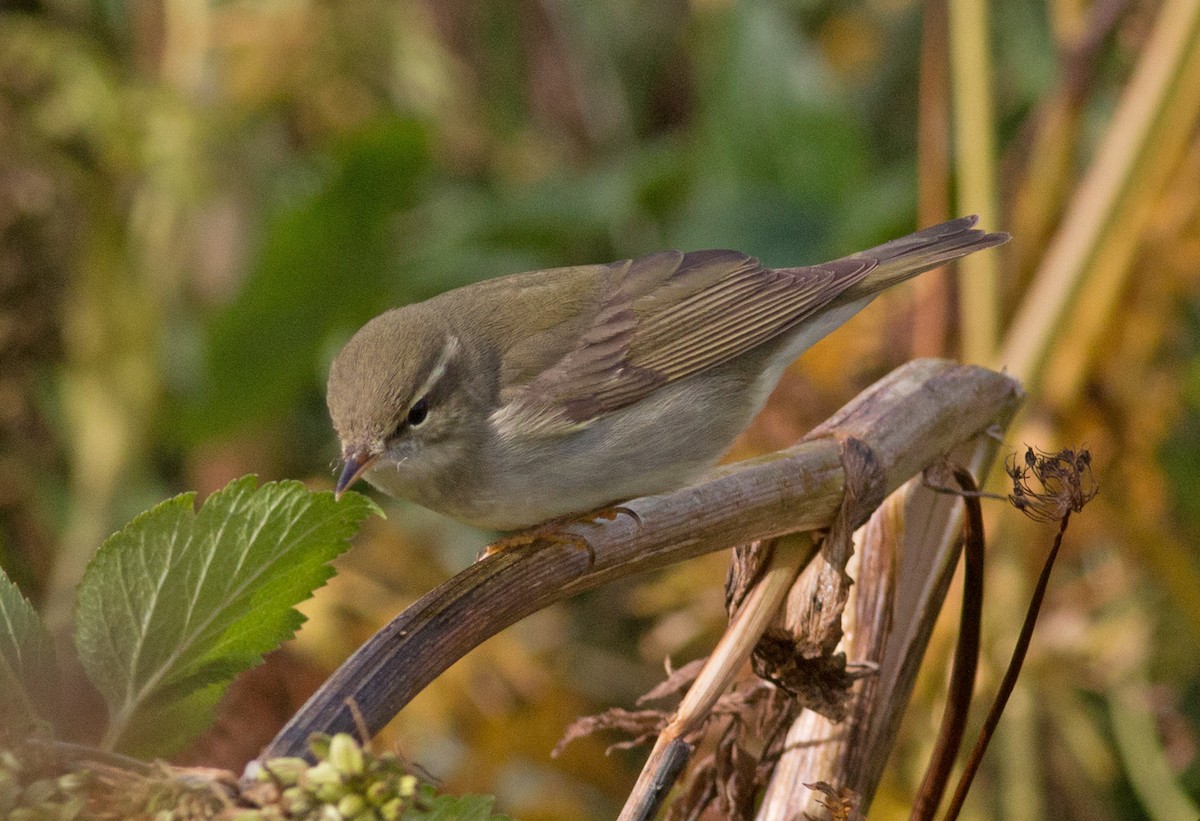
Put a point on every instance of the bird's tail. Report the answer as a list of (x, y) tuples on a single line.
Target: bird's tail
[(910, 255)]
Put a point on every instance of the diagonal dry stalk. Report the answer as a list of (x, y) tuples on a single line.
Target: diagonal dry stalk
[(908, 420), (1078, 283), (672, 749)]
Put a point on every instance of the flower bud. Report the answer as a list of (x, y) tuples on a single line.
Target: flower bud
[(346, 755)]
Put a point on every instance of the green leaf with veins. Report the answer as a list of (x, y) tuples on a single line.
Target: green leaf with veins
[(28, 667), (177, 603)]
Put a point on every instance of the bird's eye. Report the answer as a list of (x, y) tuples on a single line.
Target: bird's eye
[(418, 413)]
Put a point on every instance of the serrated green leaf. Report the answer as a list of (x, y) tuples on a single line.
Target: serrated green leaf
[(28, 667), (177, 603)]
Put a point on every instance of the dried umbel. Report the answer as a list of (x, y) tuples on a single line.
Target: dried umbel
[(1049, 486)]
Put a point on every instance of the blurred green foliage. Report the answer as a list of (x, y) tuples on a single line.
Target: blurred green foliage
[(199, 202), (335, 236)]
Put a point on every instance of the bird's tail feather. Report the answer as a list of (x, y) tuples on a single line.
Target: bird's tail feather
[(910, 255)]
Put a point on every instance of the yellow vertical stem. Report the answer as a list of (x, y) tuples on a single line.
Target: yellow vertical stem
[(971, 86), (1103, 196)]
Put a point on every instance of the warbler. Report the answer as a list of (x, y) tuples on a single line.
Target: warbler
[(535, 396)]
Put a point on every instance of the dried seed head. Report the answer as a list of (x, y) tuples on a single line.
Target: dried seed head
[(1050, 486)]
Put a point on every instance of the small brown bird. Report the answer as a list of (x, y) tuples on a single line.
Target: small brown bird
[(534, 396)]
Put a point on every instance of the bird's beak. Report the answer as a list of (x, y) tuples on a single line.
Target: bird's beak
[(357, 464)]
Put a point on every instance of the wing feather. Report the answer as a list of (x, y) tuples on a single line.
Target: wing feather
[(669, 316)]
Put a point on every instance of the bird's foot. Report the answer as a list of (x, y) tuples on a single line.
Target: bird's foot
[(553, 533)]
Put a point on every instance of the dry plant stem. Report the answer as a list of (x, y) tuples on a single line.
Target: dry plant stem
[(645, 801), (908, 419), (791, 553), (1090, 318), (932, 291), (1010, 678), (932, 530), (918, 530), (815, 746), (1158, 84), (966, 659), (974, 143), (1044, 161), (1136, 737), (83, 755)]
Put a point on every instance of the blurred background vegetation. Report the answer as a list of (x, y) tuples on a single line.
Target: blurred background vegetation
[(200, 202)]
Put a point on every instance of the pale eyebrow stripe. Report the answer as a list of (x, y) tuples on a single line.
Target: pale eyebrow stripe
[(439, 370)]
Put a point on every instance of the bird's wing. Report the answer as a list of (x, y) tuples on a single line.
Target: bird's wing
[(670, 315)]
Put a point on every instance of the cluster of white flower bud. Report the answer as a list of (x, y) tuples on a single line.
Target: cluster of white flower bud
[(345, 784)]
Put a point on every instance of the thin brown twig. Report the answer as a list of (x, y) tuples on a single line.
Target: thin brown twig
[(966, 658), (954, 491), (1009, 682)]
